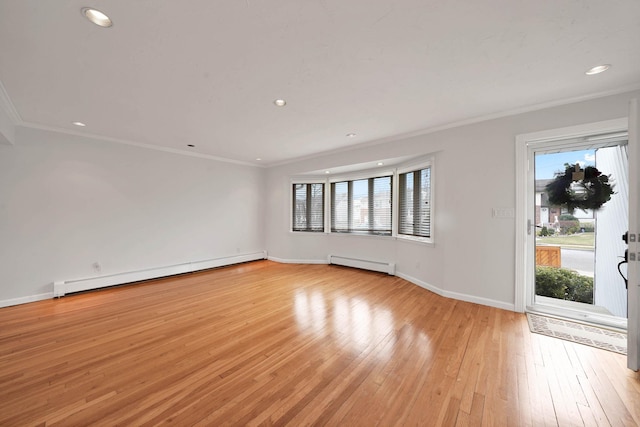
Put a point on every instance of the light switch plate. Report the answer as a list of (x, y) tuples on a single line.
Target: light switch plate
[(503, 213)]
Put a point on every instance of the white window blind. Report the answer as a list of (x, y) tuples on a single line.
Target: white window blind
[(414, 194), (308, 207), (362, 206)]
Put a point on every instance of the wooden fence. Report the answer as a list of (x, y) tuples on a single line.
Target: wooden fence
[(548, 256)]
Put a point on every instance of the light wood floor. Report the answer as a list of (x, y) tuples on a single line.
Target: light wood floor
[(265, 343)]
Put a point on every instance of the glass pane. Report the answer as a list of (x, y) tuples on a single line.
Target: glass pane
[(424, 221), (308, 207), (340, 206), (317, 207), (360, 205), (382, 205), (415, 199), (300, 207), (406, 204), (565, 241)]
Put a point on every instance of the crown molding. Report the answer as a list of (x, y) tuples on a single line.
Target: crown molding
[(9, 118), (465, 122), (97, 137), (7, 105)]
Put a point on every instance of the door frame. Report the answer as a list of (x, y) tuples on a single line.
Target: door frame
[(633, 270), (525, 256)]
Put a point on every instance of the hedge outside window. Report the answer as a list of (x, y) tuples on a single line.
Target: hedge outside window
[(308, 207), (362, 206), (415, 203)]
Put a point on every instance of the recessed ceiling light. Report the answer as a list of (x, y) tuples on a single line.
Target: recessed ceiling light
[(190, 145), (97, 17), (280, 102), (380, 163), (351, 135), (597, 69), (327, 172), (258, 159), (78, 124)]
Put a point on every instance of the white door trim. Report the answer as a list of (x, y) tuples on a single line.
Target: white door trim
[(525, 257)]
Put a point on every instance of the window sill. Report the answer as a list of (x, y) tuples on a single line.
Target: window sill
[(416, 240), (406, 239), (307, 233), (365, 235)]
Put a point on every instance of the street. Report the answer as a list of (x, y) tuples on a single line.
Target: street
[(579, 260)]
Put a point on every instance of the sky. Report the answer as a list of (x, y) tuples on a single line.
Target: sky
[(548, 164)]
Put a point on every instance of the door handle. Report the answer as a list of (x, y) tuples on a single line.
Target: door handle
[(530, 226)]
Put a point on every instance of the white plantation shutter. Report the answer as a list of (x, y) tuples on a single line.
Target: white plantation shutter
[(308, 207)]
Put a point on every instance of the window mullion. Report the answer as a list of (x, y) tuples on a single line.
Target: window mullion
[(370, 204), (350, 205), (333, 206), (309, 213), (295, 209)]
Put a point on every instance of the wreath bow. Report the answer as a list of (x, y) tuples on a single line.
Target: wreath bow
[(576, 189)]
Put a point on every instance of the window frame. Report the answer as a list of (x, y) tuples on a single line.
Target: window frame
[(303, 181), (412, 165), (361, 176), (416, 167)]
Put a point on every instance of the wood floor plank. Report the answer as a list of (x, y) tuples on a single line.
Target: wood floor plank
[(264, 343)]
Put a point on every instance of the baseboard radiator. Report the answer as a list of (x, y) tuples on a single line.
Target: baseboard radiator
[(61, 288), (383, 267)]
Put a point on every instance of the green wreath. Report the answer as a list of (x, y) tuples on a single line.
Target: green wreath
[(592, 189)]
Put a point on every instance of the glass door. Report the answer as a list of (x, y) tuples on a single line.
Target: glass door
[(578, 244), (532, 215)]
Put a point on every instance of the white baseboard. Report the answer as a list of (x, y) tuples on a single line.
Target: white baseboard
[(480, 300), (421, 283), (298, 261), (365, 264), (447, 294), (122, 278), (458, 296), (25, 300), (60, 288)]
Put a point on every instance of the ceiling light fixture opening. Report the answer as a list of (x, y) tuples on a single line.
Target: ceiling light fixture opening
[(258, 159), (380, 163), (327, 172), (190, 145), (280, 102), (79, 124), (97, 17), (351, 135), (597, 69)]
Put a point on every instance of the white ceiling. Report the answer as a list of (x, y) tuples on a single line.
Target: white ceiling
[(171, 73)]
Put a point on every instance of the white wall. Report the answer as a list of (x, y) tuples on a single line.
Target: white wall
[(474, 254), (67, 202)]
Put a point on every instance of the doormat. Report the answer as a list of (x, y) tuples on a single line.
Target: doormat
[(577, 332)]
